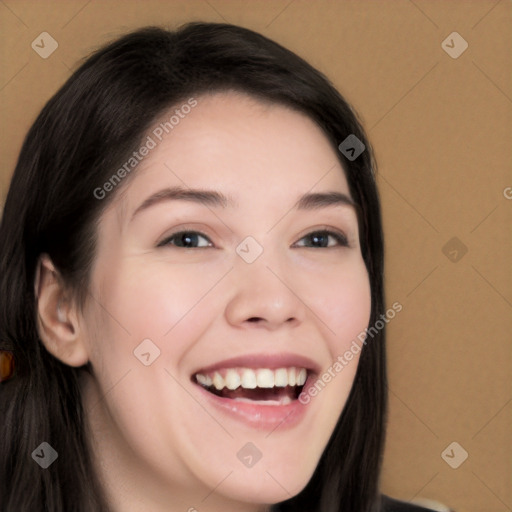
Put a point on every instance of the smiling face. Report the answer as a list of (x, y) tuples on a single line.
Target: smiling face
[(210, 311)]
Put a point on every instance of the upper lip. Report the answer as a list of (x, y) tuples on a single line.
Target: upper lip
[(266, 360)]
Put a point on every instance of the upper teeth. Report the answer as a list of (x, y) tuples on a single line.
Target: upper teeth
[(248, 378)]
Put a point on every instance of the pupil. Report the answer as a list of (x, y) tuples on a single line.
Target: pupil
[(186, 238), (316, 238)]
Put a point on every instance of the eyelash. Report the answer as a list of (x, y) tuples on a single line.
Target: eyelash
[(339, 237)]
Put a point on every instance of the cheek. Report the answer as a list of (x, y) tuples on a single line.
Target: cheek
[(170, 306), (343, 302), (150, 300)]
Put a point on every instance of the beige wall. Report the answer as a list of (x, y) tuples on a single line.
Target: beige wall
[(441, 129)]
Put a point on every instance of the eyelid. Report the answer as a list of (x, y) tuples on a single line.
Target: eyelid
[(167, 239), (184, 228), (330, 231)]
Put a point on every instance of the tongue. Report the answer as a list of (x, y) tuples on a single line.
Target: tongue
[(258, 393)]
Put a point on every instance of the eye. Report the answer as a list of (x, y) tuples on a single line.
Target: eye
[(320, 239), (190, 240), (185, 240)]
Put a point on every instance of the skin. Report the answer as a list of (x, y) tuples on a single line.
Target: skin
[(158, 444)]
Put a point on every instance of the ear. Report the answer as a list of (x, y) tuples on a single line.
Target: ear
[(58, 319)]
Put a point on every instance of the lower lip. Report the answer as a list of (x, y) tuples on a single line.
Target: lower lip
[(257, 415)]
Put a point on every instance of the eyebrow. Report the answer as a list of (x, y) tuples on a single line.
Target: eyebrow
[(216, 199)]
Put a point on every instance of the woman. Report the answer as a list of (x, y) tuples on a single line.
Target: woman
[(194, 230)]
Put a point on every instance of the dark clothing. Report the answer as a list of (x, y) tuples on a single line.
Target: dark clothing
[(391, 505)]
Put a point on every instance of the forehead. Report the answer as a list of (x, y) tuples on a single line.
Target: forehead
[(250, 150)]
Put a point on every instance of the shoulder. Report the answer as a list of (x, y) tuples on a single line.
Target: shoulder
[(392, 505)]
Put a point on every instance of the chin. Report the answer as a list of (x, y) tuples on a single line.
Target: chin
[(266, 486)]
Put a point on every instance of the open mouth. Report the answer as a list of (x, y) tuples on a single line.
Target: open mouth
[(256, 385)]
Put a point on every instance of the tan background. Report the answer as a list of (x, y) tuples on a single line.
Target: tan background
[(441, 129)]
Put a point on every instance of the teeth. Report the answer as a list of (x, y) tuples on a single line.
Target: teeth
[(232, 380), (218, 381), (248, 378), (281, 378), (205, 380), (265, 378), (283, 401)]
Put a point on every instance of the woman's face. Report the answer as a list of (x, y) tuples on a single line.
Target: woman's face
[(251, 297)]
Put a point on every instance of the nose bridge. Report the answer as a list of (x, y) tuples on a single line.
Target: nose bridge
[(262, 290)]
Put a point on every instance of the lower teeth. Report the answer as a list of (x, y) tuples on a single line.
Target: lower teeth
[(274, 396), (283, 401)]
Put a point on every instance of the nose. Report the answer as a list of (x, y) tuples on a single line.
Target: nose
[(264, 297)]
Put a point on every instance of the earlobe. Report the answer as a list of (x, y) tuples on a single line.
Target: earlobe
[(57, 316)]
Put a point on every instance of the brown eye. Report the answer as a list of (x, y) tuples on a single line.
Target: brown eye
[(185, 240), (320, 239)]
